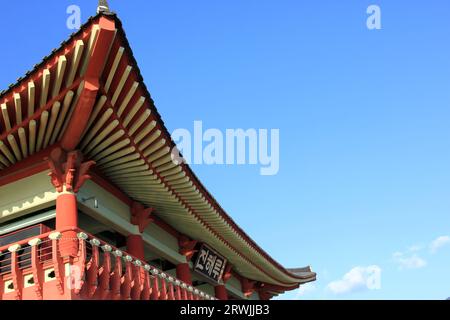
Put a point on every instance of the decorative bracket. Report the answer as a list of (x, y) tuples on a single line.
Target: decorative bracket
[(187, 247), (67, 171), (141, 216), (248, 287), (227, 273)]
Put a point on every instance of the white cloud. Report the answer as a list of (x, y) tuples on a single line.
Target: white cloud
[(415, 248), (405, 261), (305, 290), (439, 243), (357, 279)]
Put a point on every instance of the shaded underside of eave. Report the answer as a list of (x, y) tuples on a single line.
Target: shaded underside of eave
[(306, 277), (194, 212)]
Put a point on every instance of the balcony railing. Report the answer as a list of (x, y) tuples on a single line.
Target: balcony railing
[(37, 268)]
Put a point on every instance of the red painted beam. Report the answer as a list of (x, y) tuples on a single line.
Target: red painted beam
[(25, 168), (85, 104)]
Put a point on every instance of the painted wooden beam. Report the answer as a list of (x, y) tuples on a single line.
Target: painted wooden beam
[(31, 98), (5, 116), (18, 109), (76, 58), (45, 88), (113, 69), (60, 70), (94, 67)]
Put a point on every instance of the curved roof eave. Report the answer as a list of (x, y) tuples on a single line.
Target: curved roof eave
[(278, 273)]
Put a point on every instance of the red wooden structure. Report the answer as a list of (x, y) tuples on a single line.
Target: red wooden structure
[(85, 156)]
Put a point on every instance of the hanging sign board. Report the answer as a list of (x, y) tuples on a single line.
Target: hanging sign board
[(210, 264)]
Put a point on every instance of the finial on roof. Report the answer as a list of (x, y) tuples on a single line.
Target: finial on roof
[(103, 6)]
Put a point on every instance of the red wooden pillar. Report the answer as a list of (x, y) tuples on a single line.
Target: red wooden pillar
[(221, 292), (187, 249), (140, 217), (184, 273), (68, 173), (67, 217), (135, 246), (248, 287)]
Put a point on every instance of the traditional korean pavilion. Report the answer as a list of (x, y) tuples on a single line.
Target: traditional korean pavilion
[(92, 206)]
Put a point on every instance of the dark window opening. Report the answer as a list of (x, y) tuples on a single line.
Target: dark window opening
[(162, 264), (113, 238), (197, 283)]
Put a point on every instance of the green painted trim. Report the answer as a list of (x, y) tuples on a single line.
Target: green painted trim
[(124, 226), (235, 291), (26, 222)]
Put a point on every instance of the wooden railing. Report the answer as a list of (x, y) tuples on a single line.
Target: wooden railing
[(36, 269)]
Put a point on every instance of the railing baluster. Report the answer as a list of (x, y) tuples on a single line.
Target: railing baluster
[(117, 275), (178, 292), (16, 272), (171, 289), (138, 275), (78, 268), (190, 293), (196, 294), (147, 287), (105, 273), (163, 295), (57, 261), (155, 288), (92, 269), (36, 267), (127, 278), (184, 291)]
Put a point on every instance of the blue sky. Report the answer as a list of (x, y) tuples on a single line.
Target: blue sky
[(363, 116)]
